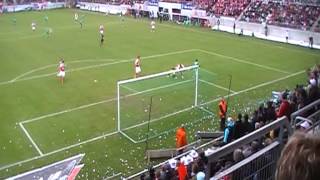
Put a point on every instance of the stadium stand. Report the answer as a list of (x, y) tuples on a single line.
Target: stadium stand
[(231, 8), (300, 16)]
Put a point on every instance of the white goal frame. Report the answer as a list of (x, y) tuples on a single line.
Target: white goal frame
[(188, 68)]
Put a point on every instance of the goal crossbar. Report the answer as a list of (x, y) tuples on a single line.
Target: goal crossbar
[(158, 74)]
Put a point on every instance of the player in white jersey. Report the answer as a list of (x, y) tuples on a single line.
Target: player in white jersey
[(33, 26), (137, 66), (153, 26), (177, 67), (61, 71), (76, 16), (101, 29)]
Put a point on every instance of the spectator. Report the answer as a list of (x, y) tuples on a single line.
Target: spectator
[(182, 171), (238, 127), (228, 131), (222, 113), (302, 97), (270, 112), (237, 155), (246, 124), (284, 109), (261, 114), (300, 158), (199, 174)]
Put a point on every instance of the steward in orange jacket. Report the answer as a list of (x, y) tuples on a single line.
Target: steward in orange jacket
[(181, 138), (222, 113)]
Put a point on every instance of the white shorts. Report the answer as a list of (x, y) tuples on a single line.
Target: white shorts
[(33, 28), (101, 31), (61, 74), (153, 27), (138, 69)]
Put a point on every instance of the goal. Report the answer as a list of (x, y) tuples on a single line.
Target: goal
[(175, 100)]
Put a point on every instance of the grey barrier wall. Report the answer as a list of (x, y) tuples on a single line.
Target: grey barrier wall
[(275, 33)]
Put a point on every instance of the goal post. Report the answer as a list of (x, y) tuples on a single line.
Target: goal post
[(175, 92)]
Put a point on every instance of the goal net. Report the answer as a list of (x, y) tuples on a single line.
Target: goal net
[(156, 104)]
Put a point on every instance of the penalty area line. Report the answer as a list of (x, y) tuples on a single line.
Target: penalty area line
[(101, 102), (30, 139), (216, 85), (244, 61)]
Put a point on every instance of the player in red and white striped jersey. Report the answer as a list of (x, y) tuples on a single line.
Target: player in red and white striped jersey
[(137, 65), (61, 71)]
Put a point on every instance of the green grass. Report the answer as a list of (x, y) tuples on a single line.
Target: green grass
[(30, 89)]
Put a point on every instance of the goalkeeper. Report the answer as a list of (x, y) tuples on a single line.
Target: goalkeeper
[(174, 73)]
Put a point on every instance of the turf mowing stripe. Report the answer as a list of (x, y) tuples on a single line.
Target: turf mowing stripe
[(157, 119), (31, 140), (56, 151), (169, 130), (41, 31), (244, 61), (100, 102), (100, 65), (99, 137), (230, 36), (216, 85), (55, 65), (17, 79)]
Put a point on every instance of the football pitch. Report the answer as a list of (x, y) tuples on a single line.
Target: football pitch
[(43, 121)]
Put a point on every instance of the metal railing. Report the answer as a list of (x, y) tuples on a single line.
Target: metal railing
[(281, 123), (198, 148), (301, 112), (260, 165)]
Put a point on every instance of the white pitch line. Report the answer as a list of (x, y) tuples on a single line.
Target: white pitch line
[(99, 65), (80, 143), (216, 85), (32, 71), (207, 71), (99, 137), (31, 140), (56, 151), (113, 176), (206, 110), (55, 65), (100, 102), (128, 137), (130, 89), (244, 61), (168, 130), (257, 86)]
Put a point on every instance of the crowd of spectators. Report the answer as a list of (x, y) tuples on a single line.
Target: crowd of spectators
[(231, 8), (194, 165), (317, 28), (291, 15)]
